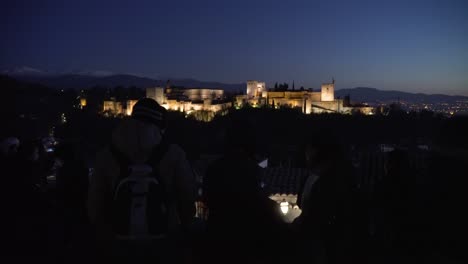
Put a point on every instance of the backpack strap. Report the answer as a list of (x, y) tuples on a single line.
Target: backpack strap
[(154, 159), (122, 160), (157, 154)]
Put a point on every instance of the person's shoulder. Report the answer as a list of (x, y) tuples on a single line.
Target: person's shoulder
[(104, 158), (174, 152), (220, 163), (103, 154), (174, 148)]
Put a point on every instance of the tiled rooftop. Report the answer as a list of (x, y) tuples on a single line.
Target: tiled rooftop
[(284, 180)]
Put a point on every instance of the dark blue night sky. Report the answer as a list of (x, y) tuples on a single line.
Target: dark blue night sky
[(415, 46)]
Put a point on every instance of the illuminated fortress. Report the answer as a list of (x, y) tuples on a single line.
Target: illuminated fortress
[(189, 100), (203, 103), (309, 101)]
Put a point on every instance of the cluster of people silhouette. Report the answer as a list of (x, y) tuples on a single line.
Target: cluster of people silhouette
[(138, 203)]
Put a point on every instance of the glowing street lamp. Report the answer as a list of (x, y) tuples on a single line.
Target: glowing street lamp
[(284, 207)]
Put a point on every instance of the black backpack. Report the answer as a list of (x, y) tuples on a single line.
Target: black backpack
[(139, 208)]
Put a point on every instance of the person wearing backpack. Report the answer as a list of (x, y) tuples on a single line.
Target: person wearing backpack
[(142, 194)]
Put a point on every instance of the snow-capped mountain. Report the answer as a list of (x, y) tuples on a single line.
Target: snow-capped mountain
[(79, 79), (26, 71), (97, 73)]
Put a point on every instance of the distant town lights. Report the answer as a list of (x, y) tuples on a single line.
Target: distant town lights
[(63, 118)]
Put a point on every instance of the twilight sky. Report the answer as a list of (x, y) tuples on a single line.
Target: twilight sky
[(408, 45)]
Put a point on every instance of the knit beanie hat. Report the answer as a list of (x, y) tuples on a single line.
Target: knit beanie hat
[(148, 110)]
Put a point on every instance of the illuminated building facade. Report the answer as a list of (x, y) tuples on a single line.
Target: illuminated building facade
[(255, 89), (322, 101), (190, 100), (112, 107), (203, 104), (129, 106)]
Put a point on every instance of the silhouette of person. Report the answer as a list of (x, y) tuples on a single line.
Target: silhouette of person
[(9, 147), (8, 155), (29, 206), (398, 188), (28, 159), (72, 189), (327, 204), (136, 138), (8, 159), (444, 218), (242, 219)]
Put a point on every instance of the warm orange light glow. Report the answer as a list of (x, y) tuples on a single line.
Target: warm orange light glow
[(83, 102)]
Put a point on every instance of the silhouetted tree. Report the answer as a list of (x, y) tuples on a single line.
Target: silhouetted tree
[(395, 110), (283, 87), (426, 114), (135, 93)]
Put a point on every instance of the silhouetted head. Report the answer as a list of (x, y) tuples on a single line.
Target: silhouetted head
[(397, 160), (322, 150), (240, 135), (66, 151), (30, 151), (9, 146), (451, 138), (149, 111)]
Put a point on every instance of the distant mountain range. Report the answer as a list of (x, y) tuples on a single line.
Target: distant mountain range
[(374, 96), (88, 79), (26, 71)]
